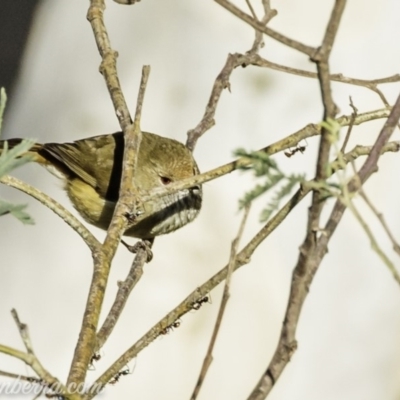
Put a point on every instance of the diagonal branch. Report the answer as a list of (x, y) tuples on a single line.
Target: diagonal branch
[(57, 208), (269, 13), (294, 44), (292, 140), (30, 359), (381, 218), (124, 290), (225, 297)]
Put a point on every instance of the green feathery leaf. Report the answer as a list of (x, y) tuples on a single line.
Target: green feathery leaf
[(9, 160), (17, 210)]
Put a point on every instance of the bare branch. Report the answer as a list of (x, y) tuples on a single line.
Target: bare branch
[(269, 13), (225, 297), (350, 128), (124, 290), (23, 332), (57, 208), (257, 60), (321, 58), (381, 218), (32, 361), (294, 44), (374, 243), (370, 164), (281, 145)]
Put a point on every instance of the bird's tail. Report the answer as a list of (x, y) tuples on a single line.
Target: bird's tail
[(34, 151)]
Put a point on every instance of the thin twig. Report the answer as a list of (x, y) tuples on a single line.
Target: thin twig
[(370, 164), (374, 243), (350, 127), (381, 218), (124, 290), (268, 15), (371, 84), (294, 44), (32, 361), (281, 145), (321, 58), (31, 379), (358, 151), (23, 331), (57, 208), (207, 121), (225, 297), (253, 13), (347, 199), (257, 60)]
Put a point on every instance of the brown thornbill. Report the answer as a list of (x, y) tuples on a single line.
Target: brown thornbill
[(91, 169)]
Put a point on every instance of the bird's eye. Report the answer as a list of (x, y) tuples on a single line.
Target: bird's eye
[(165, 180)]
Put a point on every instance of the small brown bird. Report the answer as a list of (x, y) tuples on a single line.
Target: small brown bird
[(91, 169)]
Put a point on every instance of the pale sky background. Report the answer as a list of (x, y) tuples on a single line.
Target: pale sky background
[(349, 330)]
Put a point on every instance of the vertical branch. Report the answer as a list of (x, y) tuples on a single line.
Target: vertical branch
[(128, 198), (371, 163), (321, 58)]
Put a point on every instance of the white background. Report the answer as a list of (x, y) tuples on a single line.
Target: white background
[(349, 330)]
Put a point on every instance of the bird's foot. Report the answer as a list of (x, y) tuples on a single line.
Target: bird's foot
[(144, 244)]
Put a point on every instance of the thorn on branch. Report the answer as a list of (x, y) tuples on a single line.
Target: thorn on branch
[(23, 331), (144, 244)]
